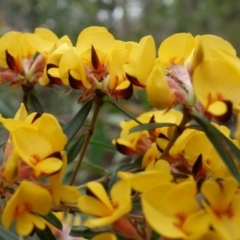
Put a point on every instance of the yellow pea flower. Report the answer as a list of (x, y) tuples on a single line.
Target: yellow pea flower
[(97, 203), (142, 142), (175, 206), (28, 199), (17, 64), (141, 61), (37, 151), (215, 82), (158, 90), (176, 49), (46, 129), (223, 206), (51, 74), (155, 173)]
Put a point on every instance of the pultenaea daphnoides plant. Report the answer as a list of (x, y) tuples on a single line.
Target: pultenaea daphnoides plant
[(182, 179)]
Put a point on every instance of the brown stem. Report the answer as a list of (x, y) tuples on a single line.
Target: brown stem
[(178, 131), (98, 104)]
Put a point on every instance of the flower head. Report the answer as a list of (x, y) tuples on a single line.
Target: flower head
[(25, 202)]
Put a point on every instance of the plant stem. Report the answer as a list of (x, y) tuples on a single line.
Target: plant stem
[(178, 131), (126, 113), (98, 101)]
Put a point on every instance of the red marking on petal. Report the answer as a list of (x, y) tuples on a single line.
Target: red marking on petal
[(11, 62), (74, 83), (125, 93), (53, 80), (94, 59), (125, 149), (134, 81)]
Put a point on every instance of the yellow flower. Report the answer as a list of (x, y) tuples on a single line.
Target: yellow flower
[(29, 135), (176, 49), (17, 60), (27, 200), (142, 142), (154, 174), (216, 94), (51, 74), (95, 64), (175, 206), (141, 61), (97, 203), (223, 206)]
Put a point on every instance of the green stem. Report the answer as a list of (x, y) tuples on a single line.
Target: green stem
[(178, 131), (129, 115), (98, 104), (96, 167)]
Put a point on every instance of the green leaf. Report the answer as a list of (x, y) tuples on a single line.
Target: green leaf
[(51, 218), (225, 148), (81, 231), (75, 149), (196, 127), (35, 104), (150, 126), (7, 234), (45, 234), (73, 126)]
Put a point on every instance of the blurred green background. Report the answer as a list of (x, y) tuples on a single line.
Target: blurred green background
[(126, 19)]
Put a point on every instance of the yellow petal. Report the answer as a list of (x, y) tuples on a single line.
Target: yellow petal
[(176, 49), (11, 170), (217, 108), (144, 180), (48, 166), (146, 58), (49, 127), (211, 85), (69, 194), (105, 236), (31, 145), (93, 206), (98, 37), (24, 225), (152, 203), (22, 113), (157, 89), (99, 192)]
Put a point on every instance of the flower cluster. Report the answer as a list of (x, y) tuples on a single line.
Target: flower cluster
[(182, 181)]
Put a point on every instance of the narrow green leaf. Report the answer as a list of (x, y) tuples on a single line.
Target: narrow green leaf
[(81, 231), (150, 126), (51, 218), (75, 149), (73, 126), (35, 104), (225, 148), (7, 234), (196, 127), (45, 234)]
